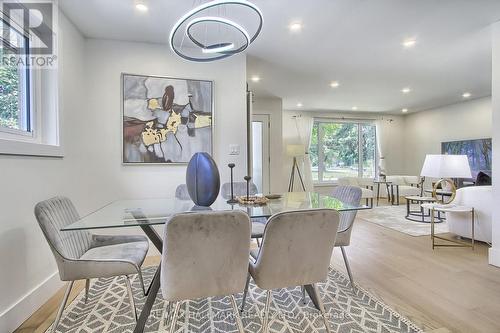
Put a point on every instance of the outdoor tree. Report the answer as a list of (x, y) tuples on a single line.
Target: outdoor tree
[(9, 95)]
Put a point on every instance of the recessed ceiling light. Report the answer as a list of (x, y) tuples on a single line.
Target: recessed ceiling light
[(466, 95), (334, 84), (404, 110), (141, 6), (299, 105), (405, 90), (295, 26), (354, 108), (409, 43), (255, 78)]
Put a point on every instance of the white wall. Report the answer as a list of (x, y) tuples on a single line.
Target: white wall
[(424, 131), (494, 252), (273, 108), (91, 172), (25, 258)]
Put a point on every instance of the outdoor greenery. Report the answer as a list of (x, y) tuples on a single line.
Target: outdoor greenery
[(338, 144), (9, 95), (10, 91)]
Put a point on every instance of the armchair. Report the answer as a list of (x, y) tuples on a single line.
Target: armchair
[(365, 184), (404, 186)]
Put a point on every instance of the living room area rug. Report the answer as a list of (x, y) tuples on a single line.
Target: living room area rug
[(393, 217), (108, 310)]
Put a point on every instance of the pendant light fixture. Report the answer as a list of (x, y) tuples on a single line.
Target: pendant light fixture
[(208, 32)]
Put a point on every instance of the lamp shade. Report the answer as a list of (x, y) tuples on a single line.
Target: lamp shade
[(295, 150), (446, 166)]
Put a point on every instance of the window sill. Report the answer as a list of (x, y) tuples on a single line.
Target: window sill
[(325, 184), (19, 148)]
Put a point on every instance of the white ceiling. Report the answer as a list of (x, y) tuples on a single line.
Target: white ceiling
[(356, 42)]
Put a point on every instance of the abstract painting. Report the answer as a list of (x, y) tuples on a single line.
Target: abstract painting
[(478, 152), (165, 120)]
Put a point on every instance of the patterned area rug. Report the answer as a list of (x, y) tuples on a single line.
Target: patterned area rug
[(108, 310), (393, 217)]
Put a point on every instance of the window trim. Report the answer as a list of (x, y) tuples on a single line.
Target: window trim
[(360, 146), (44, 138), (26, 86)]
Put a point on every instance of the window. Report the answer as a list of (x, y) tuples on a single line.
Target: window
[(15, 102), (342, 149)]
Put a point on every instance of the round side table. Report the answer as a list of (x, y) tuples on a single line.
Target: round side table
[(420, 214)]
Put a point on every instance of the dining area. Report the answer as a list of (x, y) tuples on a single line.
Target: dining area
[(224, 250)]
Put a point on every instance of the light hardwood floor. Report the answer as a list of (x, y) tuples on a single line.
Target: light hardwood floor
[(445, 290)]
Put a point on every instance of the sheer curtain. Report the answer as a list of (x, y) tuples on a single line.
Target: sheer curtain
[(379, 125), (304, 129)]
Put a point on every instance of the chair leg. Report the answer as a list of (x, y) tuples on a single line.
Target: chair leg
[(141, 280), (243, 301), (258, 242), (63, 304), (239, 323), (347, 266), (265, 328), (87, 287), (131, 297), (304, 301), (321, 308), (174, 317), (167, 315)]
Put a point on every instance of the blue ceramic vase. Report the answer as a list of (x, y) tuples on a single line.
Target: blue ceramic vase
[(203, 179)]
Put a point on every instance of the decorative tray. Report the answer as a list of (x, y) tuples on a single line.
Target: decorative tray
[(252, 200)]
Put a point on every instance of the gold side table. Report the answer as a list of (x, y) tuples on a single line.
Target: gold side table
[(450, 208)]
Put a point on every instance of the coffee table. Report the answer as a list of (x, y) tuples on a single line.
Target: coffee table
[(420, 215)]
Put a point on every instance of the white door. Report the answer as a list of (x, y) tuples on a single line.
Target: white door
[(260, 152)]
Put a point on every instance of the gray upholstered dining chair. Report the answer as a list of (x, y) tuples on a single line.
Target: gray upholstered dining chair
[(205, 254), (181, 192), (296, 251), (81, 255), (350, 195), (240, 189)]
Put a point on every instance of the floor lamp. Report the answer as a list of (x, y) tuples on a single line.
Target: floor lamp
[(295, 151)]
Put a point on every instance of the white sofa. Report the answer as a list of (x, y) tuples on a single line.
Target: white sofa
[(481, 198), (404, 186), (366, 185)]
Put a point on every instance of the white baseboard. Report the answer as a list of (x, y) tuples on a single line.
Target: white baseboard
[(18, 312), (494, 256)]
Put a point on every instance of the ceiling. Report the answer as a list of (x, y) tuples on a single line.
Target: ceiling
[(355, 42)]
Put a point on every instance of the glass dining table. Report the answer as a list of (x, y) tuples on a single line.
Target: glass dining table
[(147, 213)]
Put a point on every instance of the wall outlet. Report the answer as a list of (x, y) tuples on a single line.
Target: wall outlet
[(234, 149)]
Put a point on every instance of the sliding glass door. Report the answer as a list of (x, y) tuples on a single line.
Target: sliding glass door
[(342, 149)]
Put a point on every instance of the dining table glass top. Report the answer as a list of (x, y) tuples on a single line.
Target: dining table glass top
[(132, 213)]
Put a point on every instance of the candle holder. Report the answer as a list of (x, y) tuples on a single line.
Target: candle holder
[(233, 199), (247, 179)]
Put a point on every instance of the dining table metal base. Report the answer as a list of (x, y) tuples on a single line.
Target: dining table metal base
[(154, 286)]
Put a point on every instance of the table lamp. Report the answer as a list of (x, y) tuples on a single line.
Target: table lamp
[(295, 151), (446, 167)]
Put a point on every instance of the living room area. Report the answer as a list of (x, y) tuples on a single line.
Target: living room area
[(250, 166)]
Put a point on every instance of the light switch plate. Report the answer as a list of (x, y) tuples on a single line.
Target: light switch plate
[(234, 149)]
